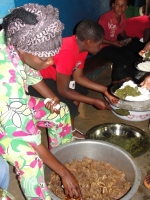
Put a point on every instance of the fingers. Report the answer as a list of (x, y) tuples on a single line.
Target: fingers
[(142, 83), (73, 193), (52, 105), (141, 52), (114, 100), (108, 108)]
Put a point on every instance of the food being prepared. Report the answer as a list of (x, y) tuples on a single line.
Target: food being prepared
[(131, 92), (146, 55), (144, 66), (98, 180)]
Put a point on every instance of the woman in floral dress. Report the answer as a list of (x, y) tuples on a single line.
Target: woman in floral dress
[(31, 36)]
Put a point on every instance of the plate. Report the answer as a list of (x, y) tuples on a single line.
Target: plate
[(130, 138), (145, 67)]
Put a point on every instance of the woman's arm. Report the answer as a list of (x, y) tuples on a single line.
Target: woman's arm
[(69, 182)]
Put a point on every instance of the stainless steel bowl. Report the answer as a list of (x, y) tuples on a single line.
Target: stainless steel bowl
[(130, 138), (102, 151), (130, 105)]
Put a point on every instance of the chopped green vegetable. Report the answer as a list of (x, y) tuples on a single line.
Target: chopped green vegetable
[(147, 55), (122, 112), (133, 145), (127, 91)]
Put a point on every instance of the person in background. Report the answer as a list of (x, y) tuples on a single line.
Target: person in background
[(147, 7), (115, 47), (4, 174), (66, 75), (30, 37), (138, 27), (146, 83)]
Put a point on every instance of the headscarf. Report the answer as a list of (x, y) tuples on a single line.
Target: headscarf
[(41, 38)]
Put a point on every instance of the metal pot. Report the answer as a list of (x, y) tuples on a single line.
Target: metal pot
[(102, 151), (130, 105)]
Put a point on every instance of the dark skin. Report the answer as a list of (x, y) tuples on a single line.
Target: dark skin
[(63, 80), (146, 81), (119, 7), (69, 182)]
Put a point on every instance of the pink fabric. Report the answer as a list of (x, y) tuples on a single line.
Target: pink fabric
[(68, 59), (111, 26)]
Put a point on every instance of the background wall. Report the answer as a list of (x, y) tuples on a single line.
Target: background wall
[(73, 11), (5, 6)]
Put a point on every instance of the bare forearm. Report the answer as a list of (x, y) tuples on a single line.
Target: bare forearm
[(43, 89), (88, 83), (50, 160)]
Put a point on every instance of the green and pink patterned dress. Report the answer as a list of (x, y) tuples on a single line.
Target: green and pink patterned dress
[(20, 116)]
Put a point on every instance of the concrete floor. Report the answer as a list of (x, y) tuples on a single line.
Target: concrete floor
[(89, 117)]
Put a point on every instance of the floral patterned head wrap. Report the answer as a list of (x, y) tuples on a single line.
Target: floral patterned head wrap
[(34, 29)]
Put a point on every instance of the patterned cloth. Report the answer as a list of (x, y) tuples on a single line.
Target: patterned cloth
[(20, 116)]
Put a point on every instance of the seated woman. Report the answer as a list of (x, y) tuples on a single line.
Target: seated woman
[(138, 27), (122, 54), (30, 37)]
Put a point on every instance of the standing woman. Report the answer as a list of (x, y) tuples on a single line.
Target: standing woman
[(31, 36)]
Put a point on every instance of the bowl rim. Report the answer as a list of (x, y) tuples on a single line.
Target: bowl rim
[(137, 180), (124, 108), (122, 124)]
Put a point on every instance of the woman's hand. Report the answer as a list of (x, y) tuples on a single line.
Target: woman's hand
[(146, 82), (145, 49), (122, 43), (126, 41), (69, 182), (52, 104), (101, 104), (117, 43), (71, 186), (111, 98)]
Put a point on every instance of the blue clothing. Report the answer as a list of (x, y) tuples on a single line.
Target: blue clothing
[(4, 174)]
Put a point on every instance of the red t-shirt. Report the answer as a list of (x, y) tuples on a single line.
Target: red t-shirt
[(111, 26), (67, 60), (136, 25)]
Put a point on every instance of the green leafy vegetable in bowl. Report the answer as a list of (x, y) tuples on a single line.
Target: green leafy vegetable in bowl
[(133, 145), (122, 112), (147, 55), (127, 91)]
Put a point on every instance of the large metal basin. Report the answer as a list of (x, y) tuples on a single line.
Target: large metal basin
[(102, 151)]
